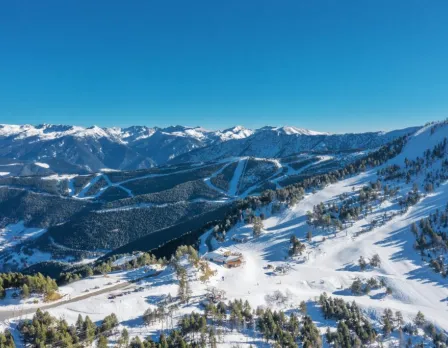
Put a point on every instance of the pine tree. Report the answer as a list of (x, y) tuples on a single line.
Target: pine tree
[(89, 329), (362, 263), (148, 317), (79, 325), (387, 321), (375, 261), (309, 236), (89, 272), (123, 341), (356, 287), (25, 291), (136, 342), (303, 307), (419, 319), (257, 226), (102, 342)]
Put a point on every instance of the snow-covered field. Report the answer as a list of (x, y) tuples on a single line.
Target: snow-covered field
[(14, 234)]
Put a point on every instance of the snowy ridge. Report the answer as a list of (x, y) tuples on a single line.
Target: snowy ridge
[(127, 135), (276, 142), (68, 149)]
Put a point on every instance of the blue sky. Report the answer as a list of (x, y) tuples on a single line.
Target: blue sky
[(327, 65)]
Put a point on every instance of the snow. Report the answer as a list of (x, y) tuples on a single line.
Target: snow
[(122, 260), (22, 260), (237, 132), (59, 177), (14, 234), (421, 140), (43, 165), (108, 170), (256, 176), (300, 131), (101, 282), (109, 183), (197, 133), (203, 248), (292, 171), (328, 265), (85, 189), (98, 176), (4, 173), (50, 132), (234, 183)]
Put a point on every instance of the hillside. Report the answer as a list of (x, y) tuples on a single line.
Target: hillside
[(374, 232), (275, 142), (85, 215)]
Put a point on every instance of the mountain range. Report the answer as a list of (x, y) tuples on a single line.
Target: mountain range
[(46, 148)]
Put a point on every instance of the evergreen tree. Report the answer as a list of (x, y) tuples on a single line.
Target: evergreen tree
[(102, 342), (79, 325), (309, 235), (419, 319), (25, 291), (375, 261), (362, 263), (388, 319), (89, 329), (257, 226), (123, 341), (302, 307)]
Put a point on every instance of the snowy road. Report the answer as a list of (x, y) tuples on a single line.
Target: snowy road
[(18, 312)]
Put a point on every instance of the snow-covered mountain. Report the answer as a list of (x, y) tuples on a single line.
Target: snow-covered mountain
[(275, 142), (74, 149), (94, 148)]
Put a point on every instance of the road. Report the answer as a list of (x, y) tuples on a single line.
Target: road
[(9, 314)]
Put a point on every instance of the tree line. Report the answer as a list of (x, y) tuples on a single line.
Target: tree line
[(44, 330), (28, 284)]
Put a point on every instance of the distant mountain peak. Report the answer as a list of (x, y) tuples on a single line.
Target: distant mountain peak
[(301, 131), (291, 130)]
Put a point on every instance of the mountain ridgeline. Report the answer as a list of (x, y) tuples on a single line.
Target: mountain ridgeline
[(46, 149)]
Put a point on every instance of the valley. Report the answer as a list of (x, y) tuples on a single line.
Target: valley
[(163, 203)]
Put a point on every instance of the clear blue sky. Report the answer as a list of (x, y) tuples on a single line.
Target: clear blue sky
[(326, 65)]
